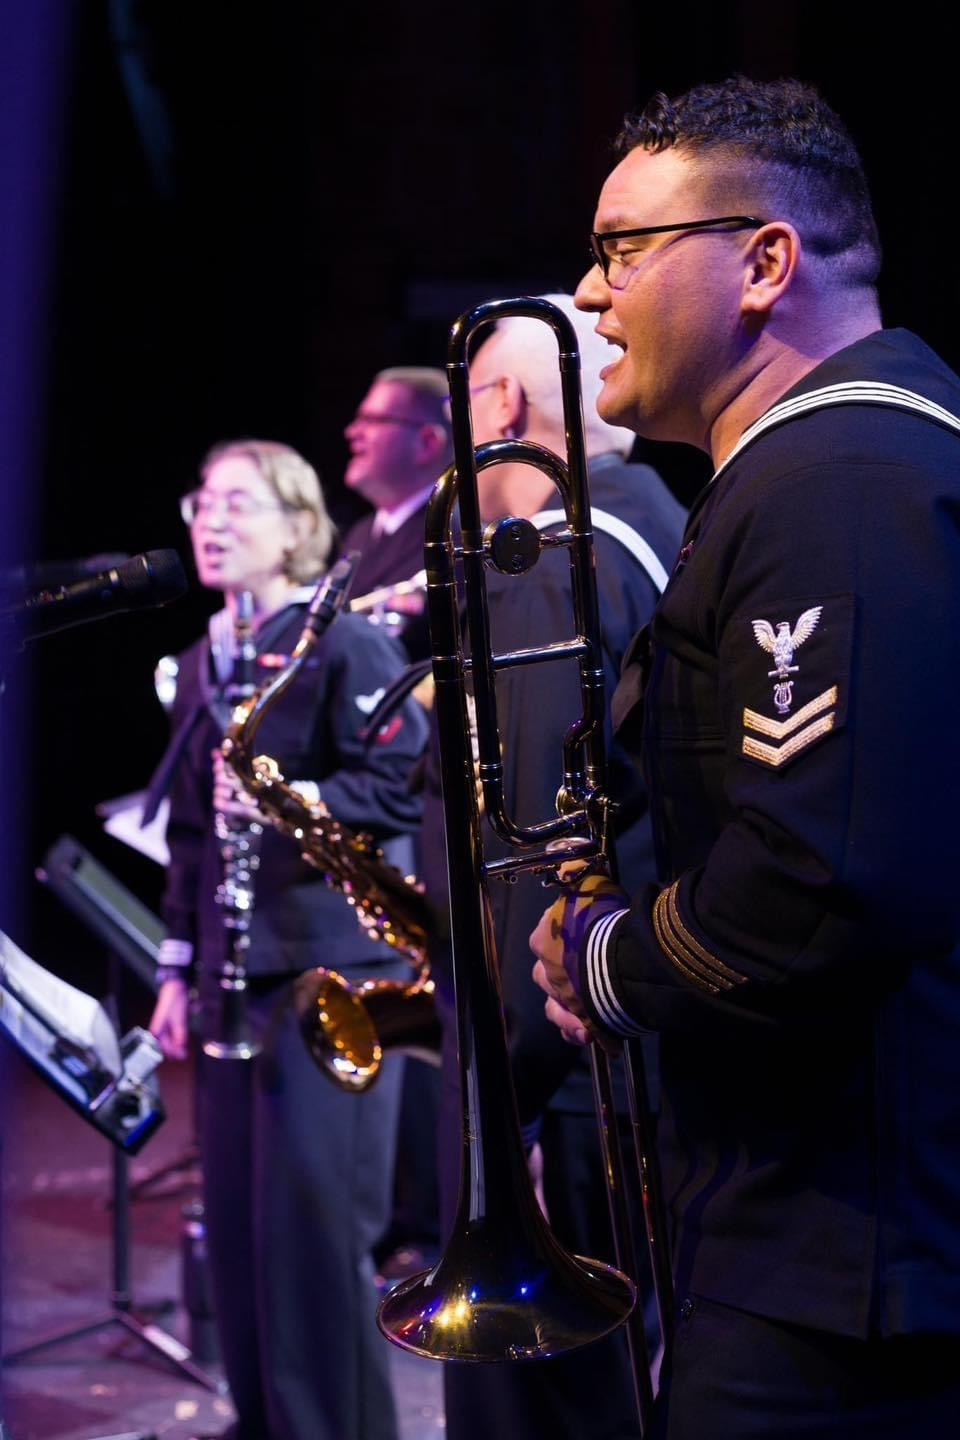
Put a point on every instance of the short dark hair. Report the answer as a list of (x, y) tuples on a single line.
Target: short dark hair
[(427, 387), (801, 163)]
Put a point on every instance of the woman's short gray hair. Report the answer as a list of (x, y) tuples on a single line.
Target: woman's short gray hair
[(297, 486)]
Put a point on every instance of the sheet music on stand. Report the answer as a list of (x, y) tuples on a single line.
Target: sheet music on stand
[(122, 818), (69, 1038)]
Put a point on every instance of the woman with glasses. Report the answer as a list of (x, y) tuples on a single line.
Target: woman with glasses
[(297, 1174)]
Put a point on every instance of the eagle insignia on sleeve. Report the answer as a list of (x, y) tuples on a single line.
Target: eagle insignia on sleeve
[(787, 710), (782, 643)]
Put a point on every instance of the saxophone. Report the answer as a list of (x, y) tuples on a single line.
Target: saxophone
[(346, 1027)]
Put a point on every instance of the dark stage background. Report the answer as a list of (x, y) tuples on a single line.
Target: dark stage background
[(251, 208)]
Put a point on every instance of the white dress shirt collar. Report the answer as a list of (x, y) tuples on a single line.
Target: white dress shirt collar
[(388, 522)]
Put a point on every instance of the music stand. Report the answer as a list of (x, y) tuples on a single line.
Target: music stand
[(127, 927), (131, 932)]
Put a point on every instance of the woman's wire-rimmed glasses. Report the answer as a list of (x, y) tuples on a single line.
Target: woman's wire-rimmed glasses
[(237, 504)]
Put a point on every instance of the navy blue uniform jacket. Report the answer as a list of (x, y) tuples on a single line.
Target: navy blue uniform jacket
[(802, 963), (387, 560), (314, 733)]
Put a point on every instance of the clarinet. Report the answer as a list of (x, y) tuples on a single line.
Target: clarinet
[(239, 842)]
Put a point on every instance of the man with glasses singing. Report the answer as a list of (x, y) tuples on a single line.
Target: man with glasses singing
[(800, 955), (399, 446)]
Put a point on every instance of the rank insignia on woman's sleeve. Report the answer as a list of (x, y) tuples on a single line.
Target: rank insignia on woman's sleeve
[(791, 674)]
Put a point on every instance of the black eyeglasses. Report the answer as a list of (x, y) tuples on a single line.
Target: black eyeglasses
[(601, 240)]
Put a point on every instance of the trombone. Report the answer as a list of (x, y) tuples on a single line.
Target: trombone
[(504, 1288)]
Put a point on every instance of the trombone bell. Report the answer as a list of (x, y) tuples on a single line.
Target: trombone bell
[(544, 1305)]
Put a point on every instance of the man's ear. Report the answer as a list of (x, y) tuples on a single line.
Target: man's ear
[(769, 267), (431, 441), (511, 406)]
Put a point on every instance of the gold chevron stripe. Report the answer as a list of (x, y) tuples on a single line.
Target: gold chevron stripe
[(772, 755), (778, 729), (707, 956), (676, 960), (684, 950)]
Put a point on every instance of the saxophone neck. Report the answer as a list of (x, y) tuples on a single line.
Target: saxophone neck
[(327, 601)]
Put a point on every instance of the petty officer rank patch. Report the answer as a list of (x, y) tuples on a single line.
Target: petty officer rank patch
[(791, 675)]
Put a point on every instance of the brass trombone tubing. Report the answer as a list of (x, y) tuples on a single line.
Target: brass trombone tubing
[(504, 1288)]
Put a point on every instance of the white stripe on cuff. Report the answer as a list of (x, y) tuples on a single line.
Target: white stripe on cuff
[(599, 984)]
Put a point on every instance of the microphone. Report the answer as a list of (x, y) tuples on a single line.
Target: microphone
[(138, 584), (48, 574)]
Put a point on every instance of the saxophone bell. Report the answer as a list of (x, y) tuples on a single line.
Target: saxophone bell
[(349, 1028)]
